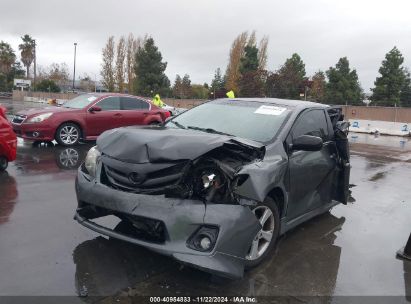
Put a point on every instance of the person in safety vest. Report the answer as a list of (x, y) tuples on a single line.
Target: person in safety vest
[(157, 101), (230, 94)]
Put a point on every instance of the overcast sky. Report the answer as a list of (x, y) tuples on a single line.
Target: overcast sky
[(194, 36)]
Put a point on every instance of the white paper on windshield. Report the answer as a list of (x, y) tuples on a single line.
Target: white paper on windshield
[(92, 98), (270, 110)]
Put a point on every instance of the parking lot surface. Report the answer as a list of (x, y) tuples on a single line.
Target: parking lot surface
[(349, 251)]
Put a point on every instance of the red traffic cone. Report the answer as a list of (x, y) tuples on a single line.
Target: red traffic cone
[(405, 252)]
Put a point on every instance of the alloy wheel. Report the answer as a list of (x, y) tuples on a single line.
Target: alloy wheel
[(69, 135), (69, 158), (263, 238)]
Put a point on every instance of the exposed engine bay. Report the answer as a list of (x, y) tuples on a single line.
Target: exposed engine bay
[(210, 177)]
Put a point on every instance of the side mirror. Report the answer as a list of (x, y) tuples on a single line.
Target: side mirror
[(94, 109), (307, 143)]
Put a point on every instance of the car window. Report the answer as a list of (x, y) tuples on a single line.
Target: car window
[(129, 103), (109, 104), (80, 102), (312, 123), (258, 121)]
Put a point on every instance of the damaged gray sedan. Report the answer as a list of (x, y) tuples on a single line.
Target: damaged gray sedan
[(217, 185)]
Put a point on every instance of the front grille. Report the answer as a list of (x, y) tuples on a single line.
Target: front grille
[(147, 180), (19, 119)]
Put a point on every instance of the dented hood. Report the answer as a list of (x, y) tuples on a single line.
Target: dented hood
[(161, 144)]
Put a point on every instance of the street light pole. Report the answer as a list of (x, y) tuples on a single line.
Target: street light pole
[(74, 72)]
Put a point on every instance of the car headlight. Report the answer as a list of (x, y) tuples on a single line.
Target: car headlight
[(92, 158), (39, 118)]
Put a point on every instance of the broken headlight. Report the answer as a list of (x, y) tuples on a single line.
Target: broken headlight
[(203, 239), (91, 161)]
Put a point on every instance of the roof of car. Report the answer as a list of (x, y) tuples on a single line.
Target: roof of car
[(285, 102)]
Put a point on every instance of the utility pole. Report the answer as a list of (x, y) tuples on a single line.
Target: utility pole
[(74, 72)]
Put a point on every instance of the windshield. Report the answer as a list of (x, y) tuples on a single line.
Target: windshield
[(247, 119), (80, 102)]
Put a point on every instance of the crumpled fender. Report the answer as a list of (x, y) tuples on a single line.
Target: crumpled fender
[(263, 177)]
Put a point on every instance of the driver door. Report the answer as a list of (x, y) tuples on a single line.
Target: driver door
[(310, 172)]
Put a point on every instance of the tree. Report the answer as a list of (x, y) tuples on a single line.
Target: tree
[(186, 86), (233, 68), (289, 81), (47, 85), (7, 57), (217, 85), (262, 53), (199, 91), (218, 80), (343, 86), (120, 64), (250, 83), (27, 49), (388, 87), (87, 84), (9, 67), (107, 67), (178, 87), (59, 73), (131, 50), (317, 88), (149, 69), (405, 97)]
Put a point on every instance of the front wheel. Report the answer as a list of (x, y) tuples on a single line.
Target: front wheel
[(68, 134), (265, 239), (3, 163)]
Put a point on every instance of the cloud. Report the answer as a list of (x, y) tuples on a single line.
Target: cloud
[(195, 36)]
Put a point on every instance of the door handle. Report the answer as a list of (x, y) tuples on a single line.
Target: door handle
[(118, 115), (145, 113)]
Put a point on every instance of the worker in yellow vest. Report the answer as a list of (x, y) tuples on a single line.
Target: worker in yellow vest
[(157, 101), (230, 94)]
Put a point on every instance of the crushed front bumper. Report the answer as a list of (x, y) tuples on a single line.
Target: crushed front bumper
[(181, 218)]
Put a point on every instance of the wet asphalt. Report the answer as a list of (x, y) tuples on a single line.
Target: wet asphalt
[(350, 251)]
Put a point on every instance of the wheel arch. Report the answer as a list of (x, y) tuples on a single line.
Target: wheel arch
[(278, 195)]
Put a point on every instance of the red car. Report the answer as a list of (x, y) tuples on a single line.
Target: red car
[(8, 141), (86, 117)]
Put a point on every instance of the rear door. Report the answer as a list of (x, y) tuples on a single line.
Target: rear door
[(134, 111), (310, 172), (109, 117)]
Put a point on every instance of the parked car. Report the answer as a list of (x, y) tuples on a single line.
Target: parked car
[(85, 117), (8, 141), (217, 185)]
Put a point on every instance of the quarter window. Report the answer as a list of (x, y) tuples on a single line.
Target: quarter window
[(129, 103), (109, 104), (312, 123)]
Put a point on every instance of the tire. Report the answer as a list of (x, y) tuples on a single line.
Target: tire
[(260, 247), (3, 163), (68, 134)]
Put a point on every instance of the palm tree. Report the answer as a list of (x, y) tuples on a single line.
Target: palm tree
[(7, 57), (27, 52)]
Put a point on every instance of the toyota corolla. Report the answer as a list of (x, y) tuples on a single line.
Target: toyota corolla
[(217, 185)]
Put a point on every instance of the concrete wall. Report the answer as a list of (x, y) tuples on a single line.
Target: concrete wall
[(27, 96), (378, 113)]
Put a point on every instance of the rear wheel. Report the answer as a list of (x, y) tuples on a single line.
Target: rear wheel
[(265, 239), (3, 163), (68, 134)]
